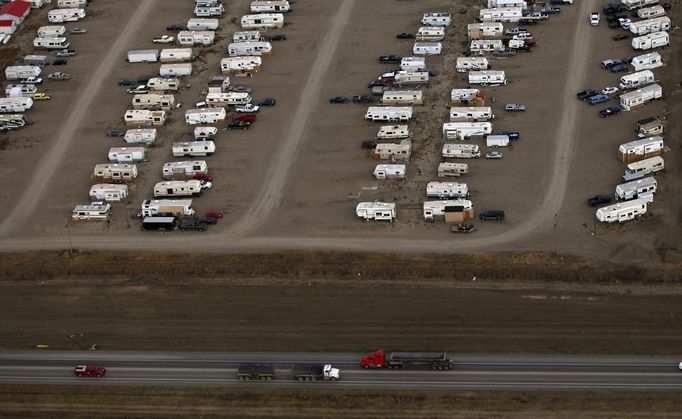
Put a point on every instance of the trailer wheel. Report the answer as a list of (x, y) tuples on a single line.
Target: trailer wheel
[(301, 378), (268, 378)]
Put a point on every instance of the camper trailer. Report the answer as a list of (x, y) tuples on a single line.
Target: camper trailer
[(651, 12), (641, 168), (437, 19), (205, 132), (465, 64), (488, 77), (635, 80), (66, 4), (36, 60), (461, 151), (237, 65), (463, 130), (411, 64), (175, 70), (154, 102), (193, 149), (177, 188), (145, 136), (472, 97), (126, 154), (640, 96), (484, 30), (205, 116), (389, 171), (246, 36), (622, 212), (263, 21), (648, 127), (430, 33), (65, 15), (433, 209), (12, 120), (203, 24), (281, 6), (164, 84), (181, 170), (447, 169), (115, 173), (378, 211), (161, 207), (20, 90), (446, 190), (51, 31), (141, 117), (651, 41), (640, 188), (501, 14), (481, 46), (18, 72), (393, 152), (108, 192), (175, 55), (507, 3), (143, 56), (97, 211), (427, 48), (638, 4), (402, 97), (216, 9), (640, 149), (494, 141), (50, 43), (388, 113), (15, 104), (479, 113), (229, 98), (257, 48), (647, 61), (393, 132), (196, 37), (647, 26), (411, 78)]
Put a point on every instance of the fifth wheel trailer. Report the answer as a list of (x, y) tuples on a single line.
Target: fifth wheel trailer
[(623, 211), (651, 41), (640, 149), (65, 15), (639, 188), (395, 360), (641, 168), (647, 26), (17, 72), (640, 96), (647, 61)]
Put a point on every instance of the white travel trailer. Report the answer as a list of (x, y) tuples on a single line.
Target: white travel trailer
[(411, 78), (15, 104), (393, 132), (114, 173), (640, 149), (651, 12), (461, 151), (447, 190), (501, 14), (494, 141), (145, 136), (66, 4), (13, 120), (126, 154), (635, 80), (65, 15), (164, 84), (437, 19), (482, 46), (430, 33), (181, 170), (237, 65), (175, 55), (177, 188), (448, 169), (50, 43), (175, 70), (95, 211), (427, 48), (647, 61), (20, 90), (640, 96), (465, 64), (143, 56), (207, 11), (229, 98), (413, 64), (624, 211), (463, 130), (156, 207), (257, 48), (434, 209), (17, 72), (142, 117), (484, 30), (196, 37), (388, 113), (646, 26), (203, 24), (205, 132), (507, 3), (37, 60), (651, 41), (637, 4), (393, 152), (488, 77), (108, 192), (458, 96), (245, 36), (639, 169), (205, 116), (478, 113), (263, 21), (54, 31), (390, 171), (640, 188), (402, 97), (281, 6), (153, 101), (193, 149), (379, 211)]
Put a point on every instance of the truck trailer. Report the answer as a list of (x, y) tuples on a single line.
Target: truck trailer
[(397, 360)]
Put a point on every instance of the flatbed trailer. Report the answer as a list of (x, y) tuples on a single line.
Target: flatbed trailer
[(263, 372), (396, 360)]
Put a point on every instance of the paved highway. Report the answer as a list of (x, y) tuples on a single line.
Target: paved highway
[(471, 371)]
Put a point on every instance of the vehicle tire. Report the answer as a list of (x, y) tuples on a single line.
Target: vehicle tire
[(268, 378), (499, 219), (365, 367), (301, 378)]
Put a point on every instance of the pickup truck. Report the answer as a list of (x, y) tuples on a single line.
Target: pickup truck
[(246, 117), (596, 99), (163, 39), (89, 370), (599, 200), (66, 53), (59, 76)]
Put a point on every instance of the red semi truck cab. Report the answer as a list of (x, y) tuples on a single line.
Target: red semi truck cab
[(375, 359), (89, 370)]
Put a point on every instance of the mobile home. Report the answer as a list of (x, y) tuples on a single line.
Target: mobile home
[(461, 151), (651, 12), (175, 70), (257, 48), (263, 21), (427, 48), (488, 77), (437, 19), (433, 209), (640, 188), (164, 84), (154, 102), (445, 190), (193, 149), (15, 104), (236, 65), (639, 169), (143, 56), (146, 136), (447, 169), (205, 132), (54, 31), (478, 113), (635, 80), (640, 149), (647, 61), (402, 97), (393, 152), (393, 132), (379, 211), (229, 98), (622, 212), (411, 78), (108, 192), (388, 113), (65, 15), (177, 188), (465, 64), (126, 154), (143, 117), (97, 211), (501, 14), (159, 207), (389, 171), (484, 30), (245, 36), (640, 96), (114, 173), (203, 24), (472, 97), (17, 72), (430, 33), (638, 4), (653, 25), (271, 6), (175, 55), (651, 41), (196, 37), (463, 130), (481, 46), (413, 64), (180, 170), (205, 116)]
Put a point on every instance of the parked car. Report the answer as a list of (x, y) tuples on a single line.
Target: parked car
[(31, 80), (405, 35), (247, 117), (619, 68), (205, 184), (238, 125), (620, 37), (66, 53), (175, 28), (139, 90), (609, 90), (615, 7), (268, 101), (515, 31), (338, 99), (41, 96), (203, 177), (77, 31), (624, 23), (611, 110), (144, 79), (214, 214), (116, 132), (368, 145), (599, 199), (491, 215), (248, 108), (164, 39), (594, 18), (606, 64), (195, 225), (513, 135), (390, 59), (127, 82), (363, 99), (514, 107), (493, 155), (530, 42), (89, 370), (527, 22), (59, 76), (240, 89), (462, 228), (551, 10), (278, 37), (585, 94), (597, 99), (59, 61), (208, 220)]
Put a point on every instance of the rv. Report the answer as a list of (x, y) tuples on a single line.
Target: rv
[(639, 169), (50, 43), (436, 19), (427, 48), (143, 117), (263, 21), (402, 97), (143, 56), (51, 31), (445, 190), (159, 223), (66, 4), (393, 152), (461, 151), (388, 113), (481, 46), (181, 170), (153, 101), (656, 24), (651, 41), (177, 188), (115, 173), (12, 120), (648, 127), (208, 11), (479, 113), (640, 188), (146, 136), (161, 207), (229, 98), (109, 193), (430, 33), (197, 24), (205, 132), (175, 70), (647, 61), (36, 60), (434, 209), (411, 64), (507, 3), (193, 149), (94, 211), (237, 65), (196, 37), (164, 84), (640, 149), (447, 169), (494, 141), (472, 97), (65, 15), (379, 211), (245, 36), (393, 132), (651, 12), (635, 80), (640, 96), (638, 4), (15, 104), (463, 130), (126, 154), (411, 78), (219, 84), (484, 30), (281, 6), (18, 72), (465, 64), (20, 90), (488, 77), (389, 171), (175, 55), (624, 211), (501, 14), (257, 48), (205, 116)]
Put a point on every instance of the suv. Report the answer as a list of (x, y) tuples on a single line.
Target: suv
[(586, 94), (268, 101), (195, 225), (338, 99), (594, 18), (596, 99), (599, 200), (363, 99), (492, 215), (390, 59), (116, 132)]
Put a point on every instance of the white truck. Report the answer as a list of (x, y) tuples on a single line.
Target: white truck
[(379, 211)]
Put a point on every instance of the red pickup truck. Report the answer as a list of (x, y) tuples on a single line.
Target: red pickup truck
[(246, 117), (89, 371)]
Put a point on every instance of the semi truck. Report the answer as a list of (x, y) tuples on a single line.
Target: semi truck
[(395, 360), (266, 372)]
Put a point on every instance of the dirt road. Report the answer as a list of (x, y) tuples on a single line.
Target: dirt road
[(47, 167)]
